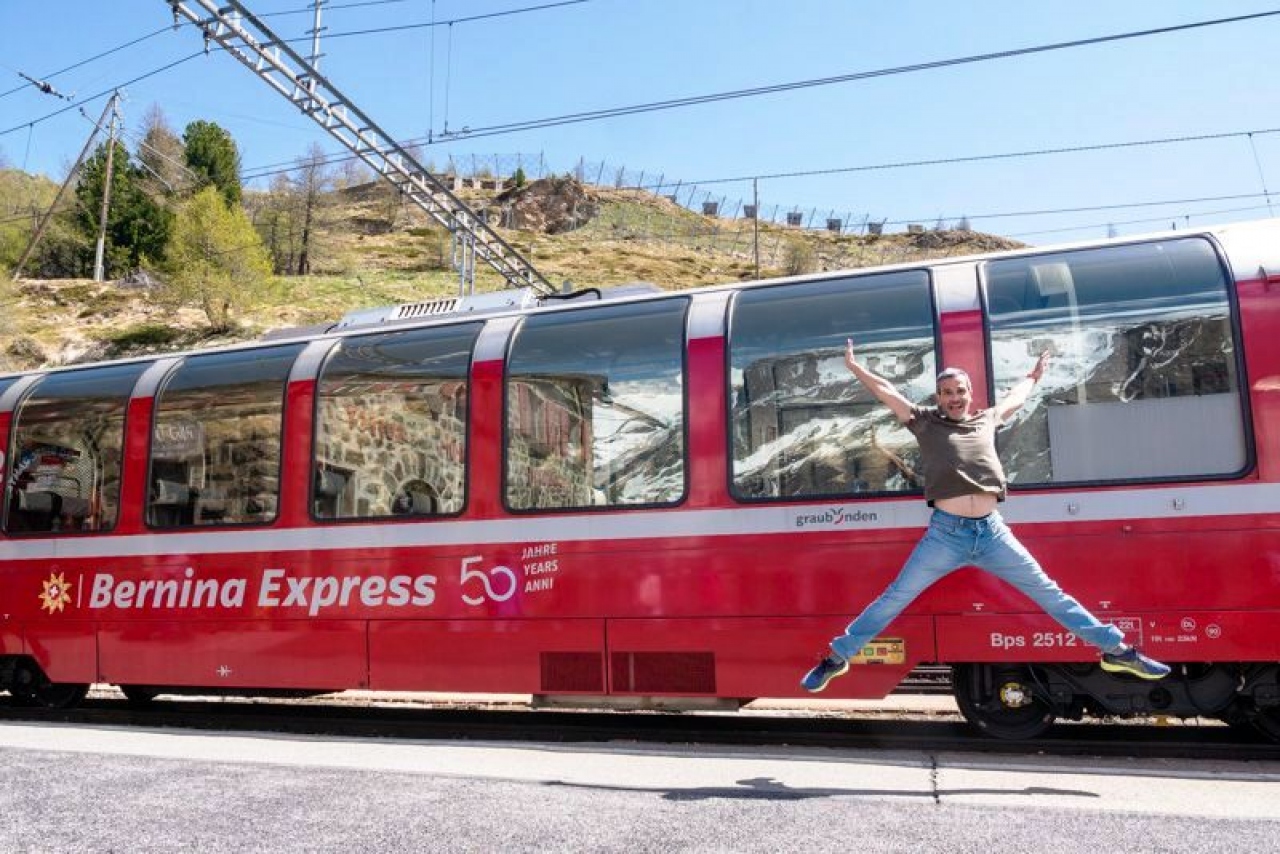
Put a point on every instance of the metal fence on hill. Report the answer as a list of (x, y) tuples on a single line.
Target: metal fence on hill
[(726, 223)]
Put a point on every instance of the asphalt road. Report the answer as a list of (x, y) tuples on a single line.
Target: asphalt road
[(75, 788)]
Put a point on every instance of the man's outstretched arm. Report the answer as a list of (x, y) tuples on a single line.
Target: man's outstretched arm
[(878, 385), (1017, 395)]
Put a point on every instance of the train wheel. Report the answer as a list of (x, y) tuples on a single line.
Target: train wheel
[(1001, 700), (1267, 722), (31, 688), (1239, 717)]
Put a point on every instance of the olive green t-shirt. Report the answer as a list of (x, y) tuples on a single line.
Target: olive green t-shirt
[(958, 457)]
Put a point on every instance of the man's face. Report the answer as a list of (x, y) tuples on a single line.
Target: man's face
[(954, 398)]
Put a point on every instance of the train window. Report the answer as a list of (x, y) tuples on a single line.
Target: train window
[(391, 425), (1145, 366), (801, 427), (65, 462), (216, 437), (595, 408)]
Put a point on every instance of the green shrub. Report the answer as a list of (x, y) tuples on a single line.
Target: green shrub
[(799, 259)]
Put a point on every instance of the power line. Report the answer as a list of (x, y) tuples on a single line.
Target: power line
[(614, 112), (469, 19), (164, 68), (266, 172), (116, 49), (103, 93), (1143, 221), (709, 98), (633, 109), (166, 28), (514, 127), (978, 158), (1088, 208)]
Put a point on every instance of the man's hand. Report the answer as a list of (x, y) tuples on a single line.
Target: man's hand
[(849, 361), (1041, 363)]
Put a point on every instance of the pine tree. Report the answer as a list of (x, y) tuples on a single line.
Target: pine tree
[(137, 227), (212, 155)]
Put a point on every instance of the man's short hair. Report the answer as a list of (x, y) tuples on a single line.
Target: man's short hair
[(954, 374)]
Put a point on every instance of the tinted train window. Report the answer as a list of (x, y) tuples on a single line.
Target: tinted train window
[(391, 425), (216, 437), (801, 425), (1145, 366), (595, 408), (65, 461)]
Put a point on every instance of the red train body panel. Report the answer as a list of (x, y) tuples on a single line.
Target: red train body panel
[(709, 592)]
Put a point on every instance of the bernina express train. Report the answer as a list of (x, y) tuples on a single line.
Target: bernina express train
[(642, 496)]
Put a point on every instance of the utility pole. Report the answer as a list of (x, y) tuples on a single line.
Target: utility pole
[(315, 35), (100, 249), (48, 216), (755, 220)]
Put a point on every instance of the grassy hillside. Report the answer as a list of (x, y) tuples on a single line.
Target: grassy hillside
[(370, 249), (23, 199)]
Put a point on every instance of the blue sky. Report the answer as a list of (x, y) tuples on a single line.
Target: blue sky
[(597, 54)]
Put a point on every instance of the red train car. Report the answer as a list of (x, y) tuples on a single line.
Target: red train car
[(632, 496)]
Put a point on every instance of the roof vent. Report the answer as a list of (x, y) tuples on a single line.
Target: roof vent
[(509, 300), (424, 309)]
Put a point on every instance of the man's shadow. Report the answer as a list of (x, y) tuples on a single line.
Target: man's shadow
[(769, 789)]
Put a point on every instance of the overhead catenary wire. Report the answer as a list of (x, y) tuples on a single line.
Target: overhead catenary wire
[(1143, 221), (90, 59), (255, 173), (106, 92), (1261, 175), (614, 112), (175, 63), (978, 158), (516, 126), (512, 127), (166, 28), (1088, 208)]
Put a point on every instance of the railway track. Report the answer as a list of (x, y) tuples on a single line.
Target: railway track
[(843, 730)]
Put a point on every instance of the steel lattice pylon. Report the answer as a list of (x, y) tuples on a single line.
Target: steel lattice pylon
[(249, 40)]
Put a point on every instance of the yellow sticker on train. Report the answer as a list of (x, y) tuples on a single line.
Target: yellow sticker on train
[(882, 651)]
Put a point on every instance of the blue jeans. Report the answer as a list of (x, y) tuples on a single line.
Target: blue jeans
[(955, 541)]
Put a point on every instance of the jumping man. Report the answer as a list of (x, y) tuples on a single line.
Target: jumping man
[(963, 483)]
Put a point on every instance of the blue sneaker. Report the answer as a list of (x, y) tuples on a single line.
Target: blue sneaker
[(826, 670), (1130, 661)]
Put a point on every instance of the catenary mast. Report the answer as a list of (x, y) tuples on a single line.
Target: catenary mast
[(249, 40)]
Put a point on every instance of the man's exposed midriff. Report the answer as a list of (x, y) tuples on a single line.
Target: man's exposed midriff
[(973, 506)]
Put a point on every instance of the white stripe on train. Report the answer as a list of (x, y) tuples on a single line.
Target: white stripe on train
[(1179, 502)]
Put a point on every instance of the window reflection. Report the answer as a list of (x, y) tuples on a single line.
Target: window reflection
[(216, 439), (67, 450), (595, 408), (801, 425), (391, 425), (1144, 363)]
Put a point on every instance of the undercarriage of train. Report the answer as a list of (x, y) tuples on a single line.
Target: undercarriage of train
[(1020, 701), (1007, 701)]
